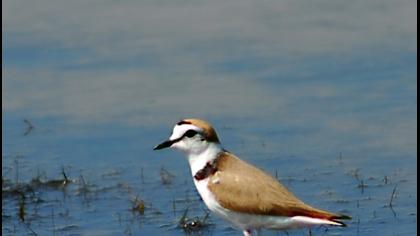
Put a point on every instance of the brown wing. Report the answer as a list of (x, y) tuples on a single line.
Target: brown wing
[(239, 186)]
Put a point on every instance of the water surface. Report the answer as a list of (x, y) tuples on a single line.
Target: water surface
[(321, 95)]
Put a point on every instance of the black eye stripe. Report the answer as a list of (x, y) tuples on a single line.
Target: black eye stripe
[(190, 133), (183, 122)]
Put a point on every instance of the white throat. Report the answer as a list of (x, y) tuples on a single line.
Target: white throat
[(199, 160)]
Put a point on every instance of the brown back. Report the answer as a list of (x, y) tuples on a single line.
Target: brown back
[(242, 187)]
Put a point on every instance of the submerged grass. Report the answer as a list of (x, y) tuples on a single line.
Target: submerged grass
[(193, 224), (29, 205), (38, 193)]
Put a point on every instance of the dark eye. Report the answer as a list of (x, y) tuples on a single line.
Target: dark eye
[(190, 133)]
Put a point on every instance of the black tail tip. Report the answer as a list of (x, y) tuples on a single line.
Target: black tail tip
[(342, 217)]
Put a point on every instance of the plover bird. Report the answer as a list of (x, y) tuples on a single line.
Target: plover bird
[(237, 191)]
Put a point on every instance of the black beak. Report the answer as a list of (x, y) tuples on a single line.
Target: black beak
[(165, 144)]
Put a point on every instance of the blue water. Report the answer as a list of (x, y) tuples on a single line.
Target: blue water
[(321, 95), (118, 164)]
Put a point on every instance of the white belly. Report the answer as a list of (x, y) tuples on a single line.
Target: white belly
[(246, 221), (242, 221)]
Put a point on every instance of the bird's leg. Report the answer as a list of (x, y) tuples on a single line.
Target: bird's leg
[(248, 232)]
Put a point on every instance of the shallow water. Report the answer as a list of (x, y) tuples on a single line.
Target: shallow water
[(112, 166), (321, 95)]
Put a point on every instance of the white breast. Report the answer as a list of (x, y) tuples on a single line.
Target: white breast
[(198, 162), (241, 220)]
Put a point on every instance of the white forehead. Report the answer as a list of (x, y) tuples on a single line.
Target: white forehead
[(180, 130)]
